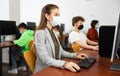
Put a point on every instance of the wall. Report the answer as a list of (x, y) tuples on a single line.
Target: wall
[(106, 11), (14, 10), (4, 9), (9, 10), (30, 9), (4, 15)]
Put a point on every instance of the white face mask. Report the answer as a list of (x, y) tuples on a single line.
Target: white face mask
[(96, 27), (55, 21)]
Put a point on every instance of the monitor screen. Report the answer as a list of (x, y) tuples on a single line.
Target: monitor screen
[(31, 25), (7, 27), (115, 66)]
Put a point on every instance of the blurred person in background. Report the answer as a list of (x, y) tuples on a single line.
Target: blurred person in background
[(92, 33)]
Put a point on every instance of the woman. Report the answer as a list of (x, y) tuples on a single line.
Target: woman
[(48, 49), (77, 37), (92, 32)]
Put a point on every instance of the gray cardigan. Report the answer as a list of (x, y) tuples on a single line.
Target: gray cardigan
[(46, 53)]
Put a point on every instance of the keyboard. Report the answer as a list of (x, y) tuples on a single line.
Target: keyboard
[(115, 66), (86, 63)]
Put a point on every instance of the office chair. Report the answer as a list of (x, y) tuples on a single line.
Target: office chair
[(30, 56)]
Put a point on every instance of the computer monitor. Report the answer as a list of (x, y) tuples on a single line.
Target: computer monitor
[(7, 27), (116, 48), (31, 25), (106, 37)]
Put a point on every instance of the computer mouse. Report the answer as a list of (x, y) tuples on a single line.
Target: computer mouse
[(76, 69)]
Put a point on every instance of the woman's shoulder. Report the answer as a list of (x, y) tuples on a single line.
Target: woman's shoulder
[(42, 31)]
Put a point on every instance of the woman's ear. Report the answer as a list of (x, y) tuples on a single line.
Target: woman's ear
[(47, 16)]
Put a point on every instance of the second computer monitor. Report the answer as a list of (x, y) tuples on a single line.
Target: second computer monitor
[(116, 43)]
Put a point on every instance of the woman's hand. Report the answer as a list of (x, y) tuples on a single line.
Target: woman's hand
[(71, 66), (81, 56)]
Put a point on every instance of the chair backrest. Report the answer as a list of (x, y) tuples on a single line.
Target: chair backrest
[(30, 56), (75, 47)]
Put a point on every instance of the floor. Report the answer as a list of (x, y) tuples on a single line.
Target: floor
[(5, 68)]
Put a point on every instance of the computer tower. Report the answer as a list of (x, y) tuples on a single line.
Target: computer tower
[(106, 36)]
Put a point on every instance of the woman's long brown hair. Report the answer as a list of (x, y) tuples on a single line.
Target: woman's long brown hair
[(46, 10)]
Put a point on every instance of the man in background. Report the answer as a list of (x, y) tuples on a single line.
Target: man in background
[(23, 41)]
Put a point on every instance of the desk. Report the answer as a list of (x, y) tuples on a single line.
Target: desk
[(4, 45), (99, 68)]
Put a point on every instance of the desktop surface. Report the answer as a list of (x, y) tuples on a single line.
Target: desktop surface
[(6, 44), (99, 68)]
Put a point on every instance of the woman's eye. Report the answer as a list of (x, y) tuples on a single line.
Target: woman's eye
[(56, 15)]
